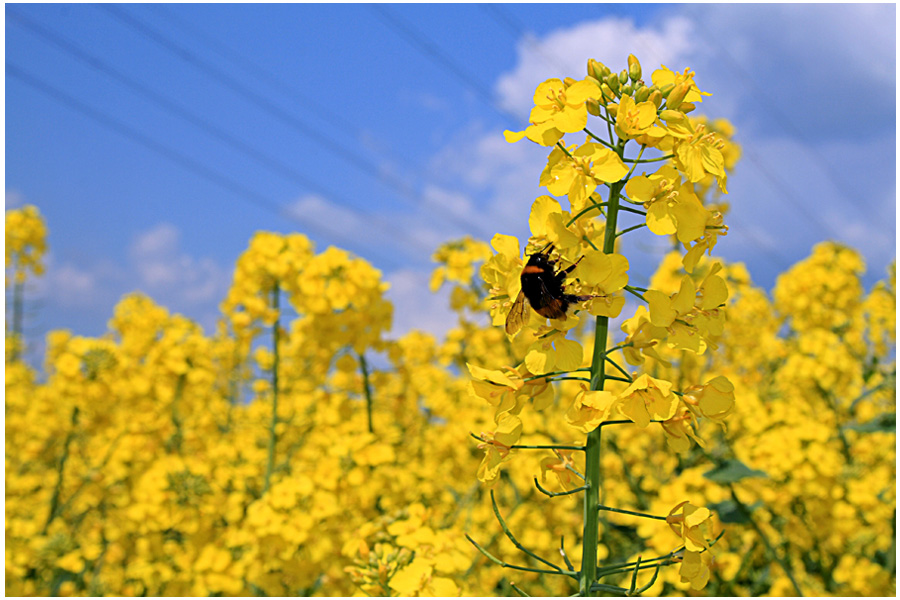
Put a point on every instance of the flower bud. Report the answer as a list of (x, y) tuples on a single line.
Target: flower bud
[(676, 96), (634, 67), (627, 90), (612, 80), (623, 76), (672, 116), (593, 107), (656, 98), (641, 94), (597, 69), (667, 89), (687, 107), (569, 81), (608, 94), (613, 109)]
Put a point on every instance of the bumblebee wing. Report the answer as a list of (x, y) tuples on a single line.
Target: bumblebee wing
[(517, 316), (552, 307)]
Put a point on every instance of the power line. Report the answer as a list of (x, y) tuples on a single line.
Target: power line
[(760, 92), (181, 160), (436, 55), (503, 17), (249, 66), (347, 154), (268, 161)]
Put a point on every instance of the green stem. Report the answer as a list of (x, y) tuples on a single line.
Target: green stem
[(368, 389), (17, 316), (57, 490), (588, 575), (273, 435), (742, 508)]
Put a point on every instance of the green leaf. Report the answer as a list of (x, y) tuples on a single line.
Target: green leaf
[(729, 512), (731, 471), (886, 422)]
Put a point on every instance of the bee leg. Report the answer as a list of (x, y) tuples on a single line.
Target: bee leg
[(571, 267)]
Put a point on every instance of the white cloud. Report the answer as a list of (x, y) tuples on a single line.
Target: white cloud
[(415, 307), (607, 40), (165, 271), (70, 285)]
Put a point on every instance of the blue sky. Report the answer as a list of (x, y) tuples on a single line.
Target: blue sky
[(156, 139)]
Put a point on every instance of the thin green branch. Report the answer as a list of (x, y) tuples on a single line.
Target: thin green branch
[(620, 369), (633, 291), (507, 565), (636, 162), (649, 160), (513, 539), (634, 575), (632, 228), (533, 447), (633, 210), (527, 379), (630, 512), (562, 147), (518, 590), (562, 552), (600, 140), (554, 494), (596, 205), (571, 379)]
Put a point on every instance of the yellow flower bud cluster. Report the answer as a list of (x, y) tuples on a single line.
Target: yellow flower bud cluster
[(26, 241)]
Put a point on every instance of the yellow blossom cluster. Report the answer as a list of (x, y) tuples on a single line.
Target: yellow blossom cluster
[(300, 449), (26, 241)]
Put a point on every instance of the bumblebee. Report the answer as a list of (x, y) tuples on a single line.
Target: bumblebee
[(542, 286)]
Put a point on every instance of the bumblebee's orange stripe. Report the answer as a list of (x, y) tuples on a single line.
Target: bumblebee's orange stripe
[(532, 269)]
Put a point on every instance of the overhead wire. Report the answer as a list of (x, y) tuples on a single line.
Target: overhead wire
[(436, 55), (355, 159), (784, 121), (182, 160), (268, 161)]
